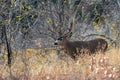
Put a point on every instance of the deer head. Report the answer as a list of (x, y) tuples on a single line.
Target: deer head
[(62, 39)]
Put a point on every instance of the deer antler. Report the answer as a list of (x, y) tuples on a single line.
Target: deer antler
[(69, 30)]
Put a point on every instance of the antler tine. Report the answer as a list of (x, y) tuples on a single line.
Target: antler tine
[(69, 29), (71, 25)]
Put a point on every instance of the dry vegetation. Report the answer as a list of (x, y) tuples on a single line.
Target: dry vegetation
[(45, 65)]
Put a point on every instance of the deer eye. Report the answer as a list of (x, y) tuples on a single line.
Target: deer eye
[(60, 38)]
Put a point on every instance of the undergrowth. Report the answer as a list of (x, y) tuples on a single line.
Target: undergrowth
[(44, 64)]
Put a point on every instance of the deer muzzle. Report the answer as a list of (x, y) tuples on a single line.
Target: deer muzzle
[(56, 42)]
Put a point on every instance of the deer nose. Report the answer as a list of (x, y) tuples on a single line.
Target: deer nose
[(55, 43)]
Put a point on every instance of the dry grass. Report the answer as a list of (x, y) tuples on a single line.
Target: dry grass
[(45, 65)]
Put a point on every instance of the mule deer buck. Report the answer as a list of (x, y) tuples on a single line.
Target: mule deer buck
[(74, 48)]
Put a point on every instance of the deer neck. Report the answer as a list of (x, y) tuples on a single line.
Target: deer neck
[(66, 43)]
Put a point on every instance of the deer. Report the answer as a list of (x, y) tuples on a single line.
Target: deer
[(75, 48)]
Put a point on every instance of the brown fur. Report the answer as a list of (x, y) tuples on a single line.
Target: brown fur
[(91, 46)]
